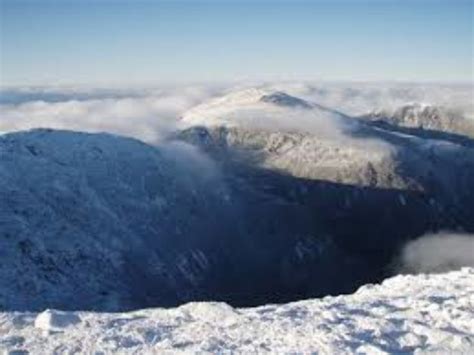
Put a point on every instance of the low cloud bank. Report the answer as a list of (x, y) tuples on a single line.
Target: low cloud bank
[(360, 98), (148, 115), (437, 253)]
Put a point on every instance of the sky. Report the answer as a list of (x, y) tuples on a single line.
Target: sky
[(51, 42)]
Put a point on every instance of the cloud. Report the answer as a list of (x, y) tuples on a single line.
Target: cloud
[(437, 253), (361, 98), (147, 115), (244, 108), (192, 164), (150, 113)]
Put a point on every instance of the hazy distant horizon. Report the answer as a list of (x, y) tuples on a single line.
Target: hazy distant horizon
[(244, 83)]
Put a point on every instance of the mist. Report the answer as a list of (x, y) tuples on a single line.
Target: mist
[(439, 252), (146, 114), (360, 98), (149, 114)]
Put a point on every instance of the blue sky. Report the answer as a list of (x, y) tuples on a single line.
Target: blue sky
[(106, 41)]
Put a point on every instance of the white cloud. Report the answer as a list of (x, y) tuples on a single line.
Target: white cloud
[(360, 98), (150, 113), (147, 117), (438, 253)]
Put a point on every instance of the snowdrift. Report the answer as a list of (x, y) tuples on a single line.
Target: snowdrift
[(405, 314)]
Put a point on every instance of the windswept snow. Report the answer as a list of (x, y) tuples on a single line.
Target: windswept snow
[(406, 314)]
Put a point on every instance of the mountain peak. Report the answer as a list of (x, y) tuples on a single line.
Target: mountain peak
[(257, 100), (281, 98)]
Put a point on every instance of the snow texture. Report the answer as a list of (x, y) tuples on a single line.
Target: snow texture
[(312, 141), (423, 314)]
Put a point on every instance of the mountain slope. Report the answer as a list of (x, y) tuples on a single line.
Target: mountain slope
[(427, 117), (284, 205), (320, 143), (85, 217), (95, 221)]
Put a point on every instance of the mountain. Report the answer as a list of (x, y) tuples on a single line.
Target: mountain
[(96, 221), (405, 314), (424, 116), (84, 218), (261, 197), (283, 99), (319, 143)]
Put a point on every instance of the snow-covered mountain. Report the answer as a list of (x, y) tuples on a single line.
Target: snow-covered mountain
[(324, 144), (424, 116), (95, 221), (424, 314), (85, 218), (260, 197)]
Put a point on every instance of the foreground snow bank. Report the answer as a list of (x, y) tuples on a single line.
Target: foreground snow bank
[(423, 313)]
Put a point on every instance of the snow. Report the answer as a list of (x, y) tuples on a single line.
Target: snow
[(426, 313), (255, 107), (55, 321), (311, 141), (290, 134), (425, 116), (74, 207)]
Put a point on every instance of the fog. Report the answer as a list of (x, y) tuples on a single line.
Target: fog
[(360, 98), (191, 164), (437, 253), (147, 115), (151, 113)]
